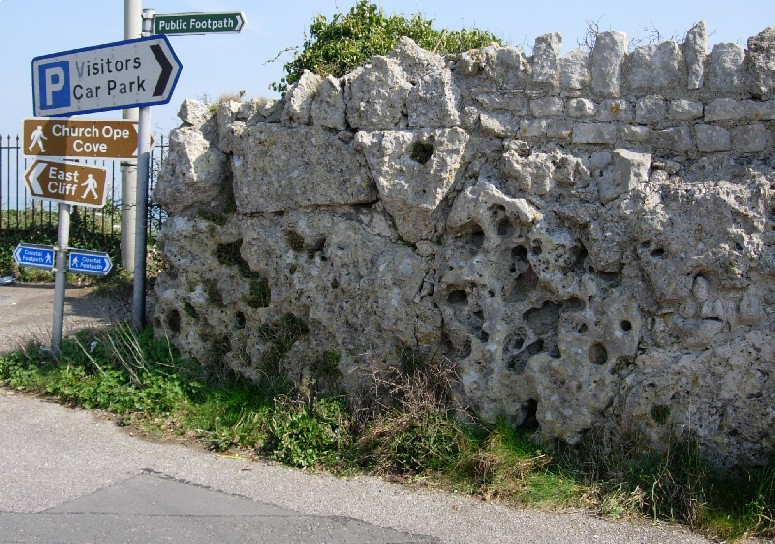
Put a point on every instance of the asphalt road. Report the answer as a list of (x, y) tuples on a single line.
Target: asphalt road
[(71, 476)]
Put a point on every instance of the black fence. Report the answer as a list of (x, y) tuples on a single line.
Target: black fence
[(20, 211)]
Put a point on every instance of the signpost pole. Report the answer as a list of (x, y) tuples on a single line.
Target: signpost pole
[(59, 276), (133, 27), (141, 230)]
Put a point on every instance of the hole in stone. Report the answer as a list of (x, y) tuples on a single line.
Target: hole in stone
[(518, 362), (738, 246), (536, 250), (173, 321), (476, 238), (491, 293), (241, 320), (519, 253), (598, 355), (573, 304), (530, 411), (295, 240), (484, 336), (335, 284), (660, 413), (583, 328), (229, 255), (625, 325), (523, 286), (578, 255), (543, 320), (505, 228), (421, 152), (517, 342), (611, 280), (457, 296), (658, 252)]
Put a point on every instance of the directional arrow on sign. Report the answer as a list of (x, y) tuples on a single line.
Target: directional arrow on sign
[(67, 182), (34, 256), (84, 261), (112, 76)]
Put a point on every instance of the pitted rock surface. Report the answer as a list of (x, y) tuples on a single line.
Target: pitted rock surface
[(589, 238)]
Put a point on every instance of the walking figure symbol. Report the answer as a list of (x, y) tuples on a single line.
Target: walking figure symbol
[(37, 138), (91, 186)]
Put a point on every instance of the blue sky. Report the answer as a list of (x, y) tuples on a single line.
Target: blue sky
[(217, 64)]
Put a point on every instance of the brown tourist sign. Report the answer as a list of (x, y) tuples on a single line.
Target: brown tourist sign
[(50, 137), (67, 182)]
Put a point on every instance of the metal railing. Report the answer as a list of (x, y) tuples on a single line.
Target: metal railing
[(20, 211)]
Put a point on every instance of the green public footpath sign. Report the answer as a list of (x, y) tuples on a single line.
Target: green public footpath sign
[(199, 23)]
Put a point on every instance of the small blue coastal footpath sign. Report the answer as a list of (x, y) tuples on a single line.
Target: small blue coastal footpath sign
[(112, 76), (34, 256), (83, 261)]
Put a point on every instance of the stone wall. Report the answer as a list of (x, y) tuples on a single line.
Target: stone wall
[(589, 238)]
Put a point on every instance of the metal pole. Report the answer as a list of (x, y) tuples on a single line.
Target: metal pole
[(141, 228), (59, 276), (133, 28)]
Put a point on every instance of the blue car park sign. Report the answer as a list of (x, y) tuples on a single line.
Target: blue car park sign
[(112, 76), (83, 261), (34, 256)]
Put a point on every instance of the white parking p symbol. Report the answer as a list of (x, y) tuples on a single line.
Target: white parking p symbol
[(55, 81)]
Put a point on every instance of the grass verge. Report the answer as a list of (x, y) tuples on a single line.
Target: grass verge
[(410, 431)]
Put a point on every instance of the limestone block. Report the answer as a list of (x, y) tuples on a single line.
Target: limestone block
[(327, 108), (615, 109), (539, 173), (594, 133), (280, 168), (192, 173), (475, 205), (723, 393), (574, 71), (628, 170), (375, 97), (413, 171), (434, 102), (760, 64), (726, 68), (685, 110), (656, 66), (678, 139), (635, 134), (299, 97), (194, 113), (711, 138), (606, 63), (695, 49), (757, 110), (532, 128), (546, 50), (581, 107), (751, 138), (415, 61), (502, 124), (725, 109), (514, 101), (650, 110), (225, 116), (549, 106), (559, 129)]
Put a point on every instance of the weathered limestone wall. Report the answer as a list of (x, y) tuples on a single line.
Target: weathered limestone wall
[(589, 238)]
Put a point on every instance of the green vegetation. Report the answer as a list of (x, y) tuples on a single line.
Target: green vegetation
[(349, 40), (410, 432)]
